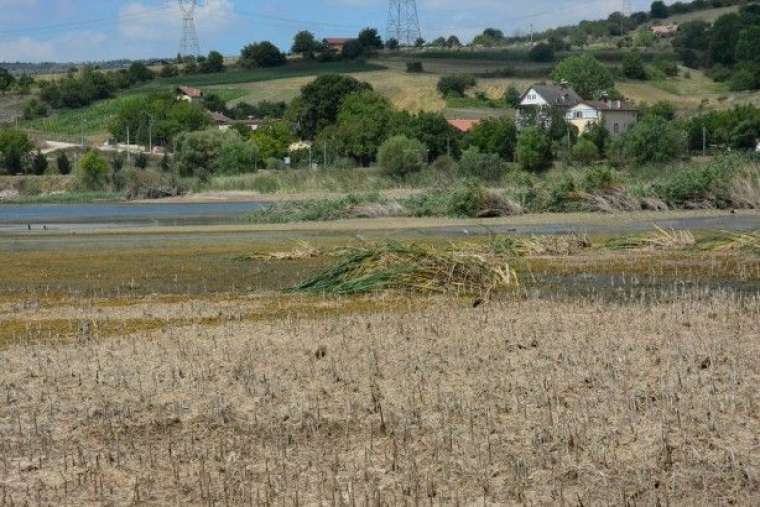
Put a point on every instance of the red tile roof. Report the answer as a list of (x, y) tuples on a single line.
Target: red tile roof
[(463, 125), (190, 92)]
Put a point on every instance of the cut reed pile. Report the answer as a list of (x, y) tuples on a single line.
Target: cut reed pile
[(412, 267), (660, 239), (552, 244), (301, 250), (748, 242)]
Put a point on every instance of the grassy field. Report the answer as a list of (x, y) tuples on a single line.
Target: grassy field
[(185, 376)]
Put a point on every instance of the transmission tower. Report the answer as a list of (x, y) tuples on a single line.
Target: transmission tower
[(189, 45), (627, 8), (403, 22)]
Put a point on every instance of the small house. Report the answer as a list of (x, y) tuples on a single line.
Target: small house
[(464, 125), (541, 101), (665, 31), (617, 116), (188, 94), (337, 44)]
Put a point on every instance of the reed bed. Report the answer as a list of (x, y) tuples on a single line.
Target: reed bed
[(411, 267)]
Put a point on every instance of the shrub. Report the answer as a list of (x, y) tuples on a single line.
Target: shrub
[(414, 67), (400, 156), (746, 78), (201, 154), (541, 52), (456, 85), (39, 163), (534, 149), (584, 151), (262, 54), (141, 160), (15, 147), (483, 166), (653, 139), (633, 68), (494, 135), (63, 163), (600, 178), (35, 109), (266, 184), (512, 96), (150, 184), (93, 172)]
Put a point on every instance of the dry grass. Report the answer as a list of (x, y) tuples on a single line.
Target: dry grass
[(514, 402)]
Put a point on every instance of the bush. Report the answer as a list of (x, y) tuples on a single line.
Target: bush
[(150, 184), (141, 160), (534, 149), (584, 151), (414, 67), (745, 78), (541, 52), (266, 184), (204, 153), (456, 85), (93, 172), (512, 96), (600, 179), (400, 156), (494, 135), (262, 54), (697, 185), (633, 68), (483, 166), (35, 109), (653, 139), (63, 163), (39, 163)]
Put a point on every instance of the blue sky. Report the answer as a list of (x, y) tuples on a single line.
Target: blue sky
[(88, 30)]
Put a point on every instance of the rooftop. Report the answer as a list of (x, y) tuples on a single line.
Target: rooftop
[(463, 125)]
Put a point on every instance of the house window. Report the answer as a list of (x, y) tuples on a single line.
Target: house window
[(617, 128), (579, 114)]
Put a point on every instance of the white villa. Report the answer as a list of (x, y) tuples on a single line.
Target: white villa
[(617, 116)]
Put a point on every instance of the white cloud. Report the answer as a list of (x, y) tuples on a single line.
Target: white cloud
[(141, 23), (78, 46)]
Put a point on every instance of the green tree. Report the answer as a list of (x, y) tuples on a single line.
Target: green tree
[(35, 109), (534, 149), (320, 101), (542, 52), (364, 123), (512, 96), (494, 135), (432, 130), (633, 67), (370, 40), (400, 156), (24, 84), (214, 63), (456, 85), (6, 80), (15, 147), (204, 153), (261, 54), (489, 38), (659, 10), (724, 37), (273, 140), (39, 163), (585, 74), (585, 151), (748, 45), (305, 44), (599, 135), (93, 172), (63, 163), (392, 44), (139, 72), (483, 166), (169, 70), (653, 139)]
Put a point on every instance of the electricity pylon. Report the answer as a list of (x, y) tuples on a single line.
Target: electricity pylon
[(404, 22), (189, 45)]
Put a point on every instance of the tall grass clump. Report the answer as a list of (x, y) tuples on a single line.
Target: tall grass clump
[(350, 206), (467, 200), (410, 267)]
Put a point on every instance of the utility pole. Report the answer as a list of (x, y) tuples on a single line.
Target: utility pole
[(704, 141), (128, 148)]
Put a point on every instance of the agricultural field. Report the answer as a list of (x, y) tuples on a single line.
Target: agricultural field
[(495, 369)]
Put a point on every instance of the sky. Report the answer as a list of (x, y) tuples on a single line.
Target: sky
[(93, 30)]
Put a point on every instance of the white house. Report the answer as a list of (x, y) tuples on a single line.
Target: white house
[(617, 116), (540, 101)]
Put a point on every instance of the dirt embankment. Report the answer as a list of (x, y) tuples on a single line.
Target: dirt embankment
[(13, 186)]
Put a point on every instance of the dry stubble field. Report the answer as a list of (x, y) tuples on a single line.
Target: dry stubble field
[(227, 398)]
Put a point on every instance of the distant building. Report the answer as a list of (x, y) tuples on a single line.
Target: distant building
[(541, 102), (617, 116), (337, 44), (464, 125), (188, 93), (665, 31), (221, 120)]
